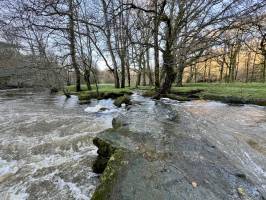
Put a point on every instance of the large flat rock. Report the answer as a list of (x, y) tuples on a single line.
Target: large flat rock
[(151, 156)]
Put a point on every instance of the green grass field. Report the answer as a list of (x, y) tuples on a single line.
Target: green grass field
[(104, 90), (240, 90), (213, 91)]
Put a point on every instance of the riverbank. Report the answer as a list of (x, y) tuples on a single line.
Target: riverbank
[(105, 91), (233, 93)]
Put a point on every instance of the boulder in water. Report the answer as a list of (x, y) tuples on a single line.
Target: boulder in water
[(122, 100)]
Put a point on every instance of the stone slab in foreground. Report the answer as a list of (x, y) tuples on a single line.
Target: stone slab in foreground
[(166, 166)]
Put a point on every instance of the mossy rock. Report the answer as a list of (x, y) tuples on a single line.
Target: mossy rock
[(118, 123), (122, 100), (188, 93), (88, 96), (149, 93), (260, 102), (114, 95), (176, 97), (102, 95), (110, 177), (105, 150)]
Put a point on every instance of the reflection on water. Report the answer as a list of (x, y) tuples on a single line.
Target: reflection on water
[(46, 146)]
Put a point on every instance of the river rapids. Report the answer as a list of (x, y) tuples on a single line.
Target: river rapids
[(46, 149)]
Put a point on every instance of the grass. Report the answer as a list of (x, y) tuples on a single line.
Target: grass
[(101, 87), (243, 93), (227, 92), (105, 91), (239, 90)]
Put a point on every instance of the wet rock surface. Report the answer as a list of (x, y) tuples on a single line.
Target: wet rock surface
[(122, 100), (159, 151)]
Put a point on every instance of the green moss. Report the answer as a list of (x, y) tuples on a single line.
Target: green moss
[(101, 87), (110, 175), (122, 100), (105, 150), (149, 93), (87, 95)]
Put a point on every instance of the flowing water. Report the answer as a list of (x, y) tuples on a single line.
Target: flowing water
[(46, 149), (238, 131), (221, 147)]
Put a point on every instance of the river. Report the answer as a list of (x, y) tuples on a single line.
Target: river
[(46, 149)]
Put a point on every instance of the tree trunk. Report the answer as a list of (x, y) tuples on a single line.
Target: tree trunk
[(149, 67), (128, 70), (169, 61), (195, 73), (209, 73), (205, 71), (264, 69), (156, 47), (87, 78), (180, 71), (138, 79), (191, 74), (109, 44), (247, 67), (170, 73), (144, 71), (139, 71), (72, 45), (123, 72), (237, 67), (222, 69), (253, 67)]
